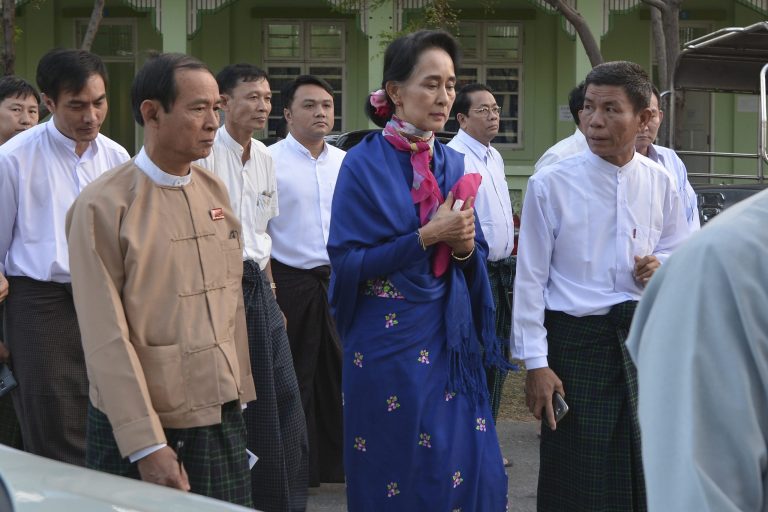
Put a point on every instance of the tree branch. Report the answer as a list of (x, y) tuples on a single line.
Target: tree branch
[(9, 34), (659, 4), (588, 40)]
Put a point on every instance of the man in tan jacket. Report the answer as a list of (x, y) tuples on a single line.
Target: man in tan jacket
[(156, 269)]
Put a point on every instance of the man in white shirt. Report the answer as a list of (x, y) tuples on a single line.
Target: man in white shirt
[(19, 110), (477, 113), (668, 159), (277, 431), (699, 341), (42, 170), (306, 169), (573, 144), (595, 227)]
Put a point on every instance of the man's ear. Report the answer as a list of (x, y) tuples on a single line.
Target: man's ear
[(645, 117), (462, 119), (48, 102), (287, 114), (150, 111), (661, 116), (225, 99)]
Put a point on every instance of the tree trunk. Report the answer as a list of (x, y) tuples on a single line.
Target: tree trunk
[(669, 13), (9, 35), (662, 66), (93, 24), (670, 18), (660, 48), (582, 29)]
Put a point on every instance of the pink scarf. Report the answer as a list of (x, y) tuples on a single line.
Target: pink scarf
[(424, 190)]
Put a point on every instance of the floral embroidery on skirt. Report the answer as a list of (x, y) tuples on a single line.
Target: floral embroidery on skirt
[(381, 287)]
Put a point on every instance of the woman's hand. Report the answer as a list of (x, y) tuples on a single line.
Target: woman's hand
[(457, 229)]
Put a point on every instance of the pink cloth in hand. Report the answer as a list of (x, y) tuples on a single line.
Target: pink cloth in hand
[(462, 190)]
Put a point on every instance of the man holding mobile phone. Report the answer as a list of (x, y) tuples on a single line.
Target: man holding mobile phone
[(596, 226)]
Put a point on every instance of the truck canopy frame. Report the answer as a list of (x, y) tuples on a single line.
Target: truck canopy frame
[(730, 60)]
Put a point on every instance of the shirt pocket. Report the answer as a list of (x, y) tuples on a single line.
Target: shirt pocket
[(233, 255), (644, 240), (265, 209), (162, 367)]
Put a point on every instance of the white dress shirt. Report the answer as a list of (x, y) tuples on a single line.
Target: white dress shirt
[(583, 221), (252, 190), (305, 186), (571, 145), (492, 204), (671, 162), (40, 177)]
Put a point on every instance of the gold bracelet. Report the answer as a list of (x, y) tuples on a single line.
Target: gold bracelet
[(463, 258), (421, 240)]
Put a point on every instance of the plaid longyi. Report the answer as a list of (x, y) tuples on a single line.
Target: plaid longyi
[(214, 456), (592, 462)]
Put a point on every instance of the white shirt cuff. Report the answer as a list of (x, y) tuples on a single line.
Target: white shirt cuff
[(138, 455), (536, 362)]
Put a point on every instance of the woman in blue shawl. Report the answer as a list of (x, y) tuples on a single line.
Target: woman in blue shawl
[(412, 303)]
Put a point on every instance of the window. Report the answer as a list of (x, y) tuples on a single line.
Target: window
[(114, 40), (300, 47), (492, 55)]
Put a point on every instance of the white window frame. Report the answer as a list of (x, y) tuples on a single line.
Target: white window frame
[(482, 64), (304, 62)]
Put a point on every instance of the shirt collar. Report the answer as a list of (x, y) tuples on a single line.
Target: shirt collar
[(652, 153), (65, 141), (603, 164), (157, 175), (478, 148), (297, 146), (229, 142)]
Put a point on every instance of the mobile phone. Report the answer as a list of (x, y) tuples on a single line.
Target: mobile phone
[(559, 406), (7, 380)]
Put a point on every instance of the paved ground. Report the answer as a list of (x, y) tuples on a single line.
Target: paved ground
[(519, 442)]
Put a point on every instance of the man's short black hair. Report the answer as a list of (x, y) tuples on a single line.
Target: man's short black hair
[(629, 76), (464, 100), (289, 91), (14, 87), (576, 101), (655, 91), (68, 70), (156, 80), (230, 76)]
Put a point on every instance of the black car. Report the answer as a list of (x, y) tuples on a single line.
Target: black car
[(713, 199), (348, 140)]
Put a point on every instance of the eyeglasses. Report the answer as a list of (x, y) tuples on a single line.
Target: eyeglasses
[(484, 111)]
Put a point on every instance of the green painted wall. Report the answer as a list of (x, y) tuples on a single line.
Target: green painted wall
[(629, 38), (38, 35)]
